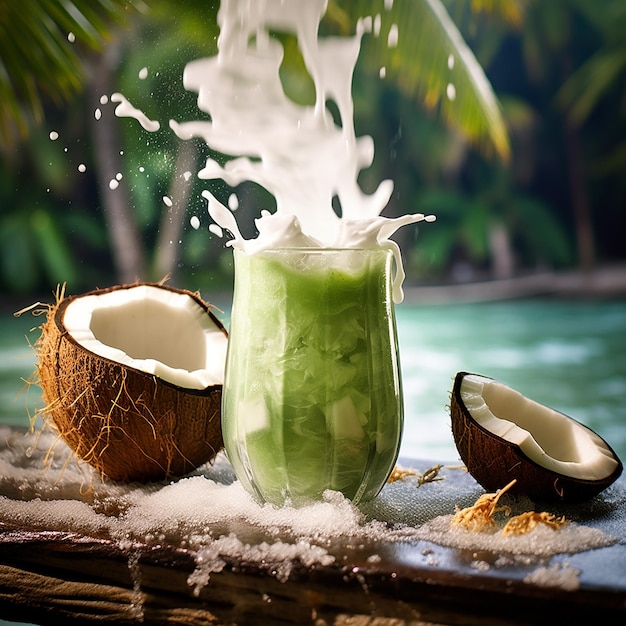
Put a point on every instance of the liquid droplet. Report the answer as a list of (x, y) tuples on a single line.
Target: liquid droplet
[(392, 38), (126, 109), (216, 230)]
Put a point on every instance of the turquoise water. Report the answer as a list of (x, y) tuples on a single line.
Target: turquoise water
[(18, 399), (568, 355)]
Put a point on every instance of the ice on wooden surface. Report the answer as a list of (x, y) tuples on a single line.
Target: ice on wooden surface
[(209, 513), (560, 575)]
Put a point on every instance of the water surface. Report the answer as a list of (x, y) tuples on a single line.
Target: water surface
[(570, 355)]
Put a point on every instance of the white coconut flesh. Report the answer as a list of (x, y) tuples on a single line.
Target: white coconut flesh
[(158, 331), (547, 437)]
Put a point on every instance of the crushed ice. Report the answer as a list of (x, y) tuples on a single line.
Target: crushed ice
[(210, 514)]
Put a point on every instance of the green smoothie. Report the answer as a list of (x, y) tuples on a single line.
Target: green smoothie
[(312, 396)]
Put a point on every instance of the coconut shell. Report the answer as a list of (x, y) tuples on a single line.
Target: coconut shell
[(494, 462), (128, 424)]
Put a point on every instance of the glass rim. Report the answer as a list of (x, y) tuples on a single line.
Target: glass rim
[(311, 249)]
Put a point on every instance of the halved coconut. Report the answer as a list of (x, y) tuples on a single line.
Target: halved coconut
[(132, 379), (502, 435)]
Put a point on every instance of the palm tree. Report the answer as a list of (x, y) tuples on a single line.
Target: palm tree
[(46, 48), (432, 65), (42, 44), (574, 60), (599, 79)]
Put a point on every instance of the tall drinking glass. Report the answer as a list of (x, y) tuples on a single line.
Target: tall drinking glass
[(312, 396)]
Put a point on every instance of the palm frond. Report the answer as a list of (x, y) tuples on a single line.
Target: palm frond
[(510, 11), (591, 82), (41, 48), (602, 74), (432, 62)]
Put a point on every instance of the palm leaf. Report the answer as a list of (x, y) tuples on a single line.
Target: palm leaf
[(540, 229), (432, 63), (591, 82), (595, 79), (41, 43), (506, 10)]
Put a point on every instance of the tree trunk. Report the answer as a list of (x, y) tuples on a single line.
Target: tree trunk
[(126, 248), (580, 199), (503, 261), (579, 194), (173, 218)]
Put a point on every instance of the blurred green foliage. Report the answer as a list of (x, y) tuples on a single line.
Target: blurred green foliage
[(557, 67)]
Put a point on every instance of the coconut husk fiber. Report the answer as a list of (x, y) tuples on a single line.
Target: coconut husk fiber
[(128, 424)]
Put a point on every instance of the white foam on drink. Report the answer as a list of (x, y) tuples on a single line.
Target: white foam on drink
[(298, 153)]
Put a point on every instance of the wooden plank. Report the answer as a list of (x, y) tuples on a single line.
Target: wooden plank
[(47, 576), (81, 580)]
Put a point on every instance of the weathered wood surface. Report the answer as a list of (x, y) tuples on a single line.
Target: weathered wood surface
[(57, 576), (47, 577)]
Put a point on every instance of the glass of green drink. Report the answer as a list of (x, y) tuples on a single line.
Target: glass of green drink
[(312, 396)]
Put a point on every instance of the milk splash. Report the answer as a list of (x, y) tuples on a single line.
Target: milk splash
[(298, 153)]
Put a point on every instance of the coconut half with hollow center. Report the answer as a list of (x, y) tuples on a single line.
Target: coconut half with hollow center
[(502, 435), (132, 379)]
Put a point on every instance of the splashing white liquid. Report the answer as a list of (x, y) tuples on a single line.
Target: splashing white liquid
[(298, 153), (126, 109)]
